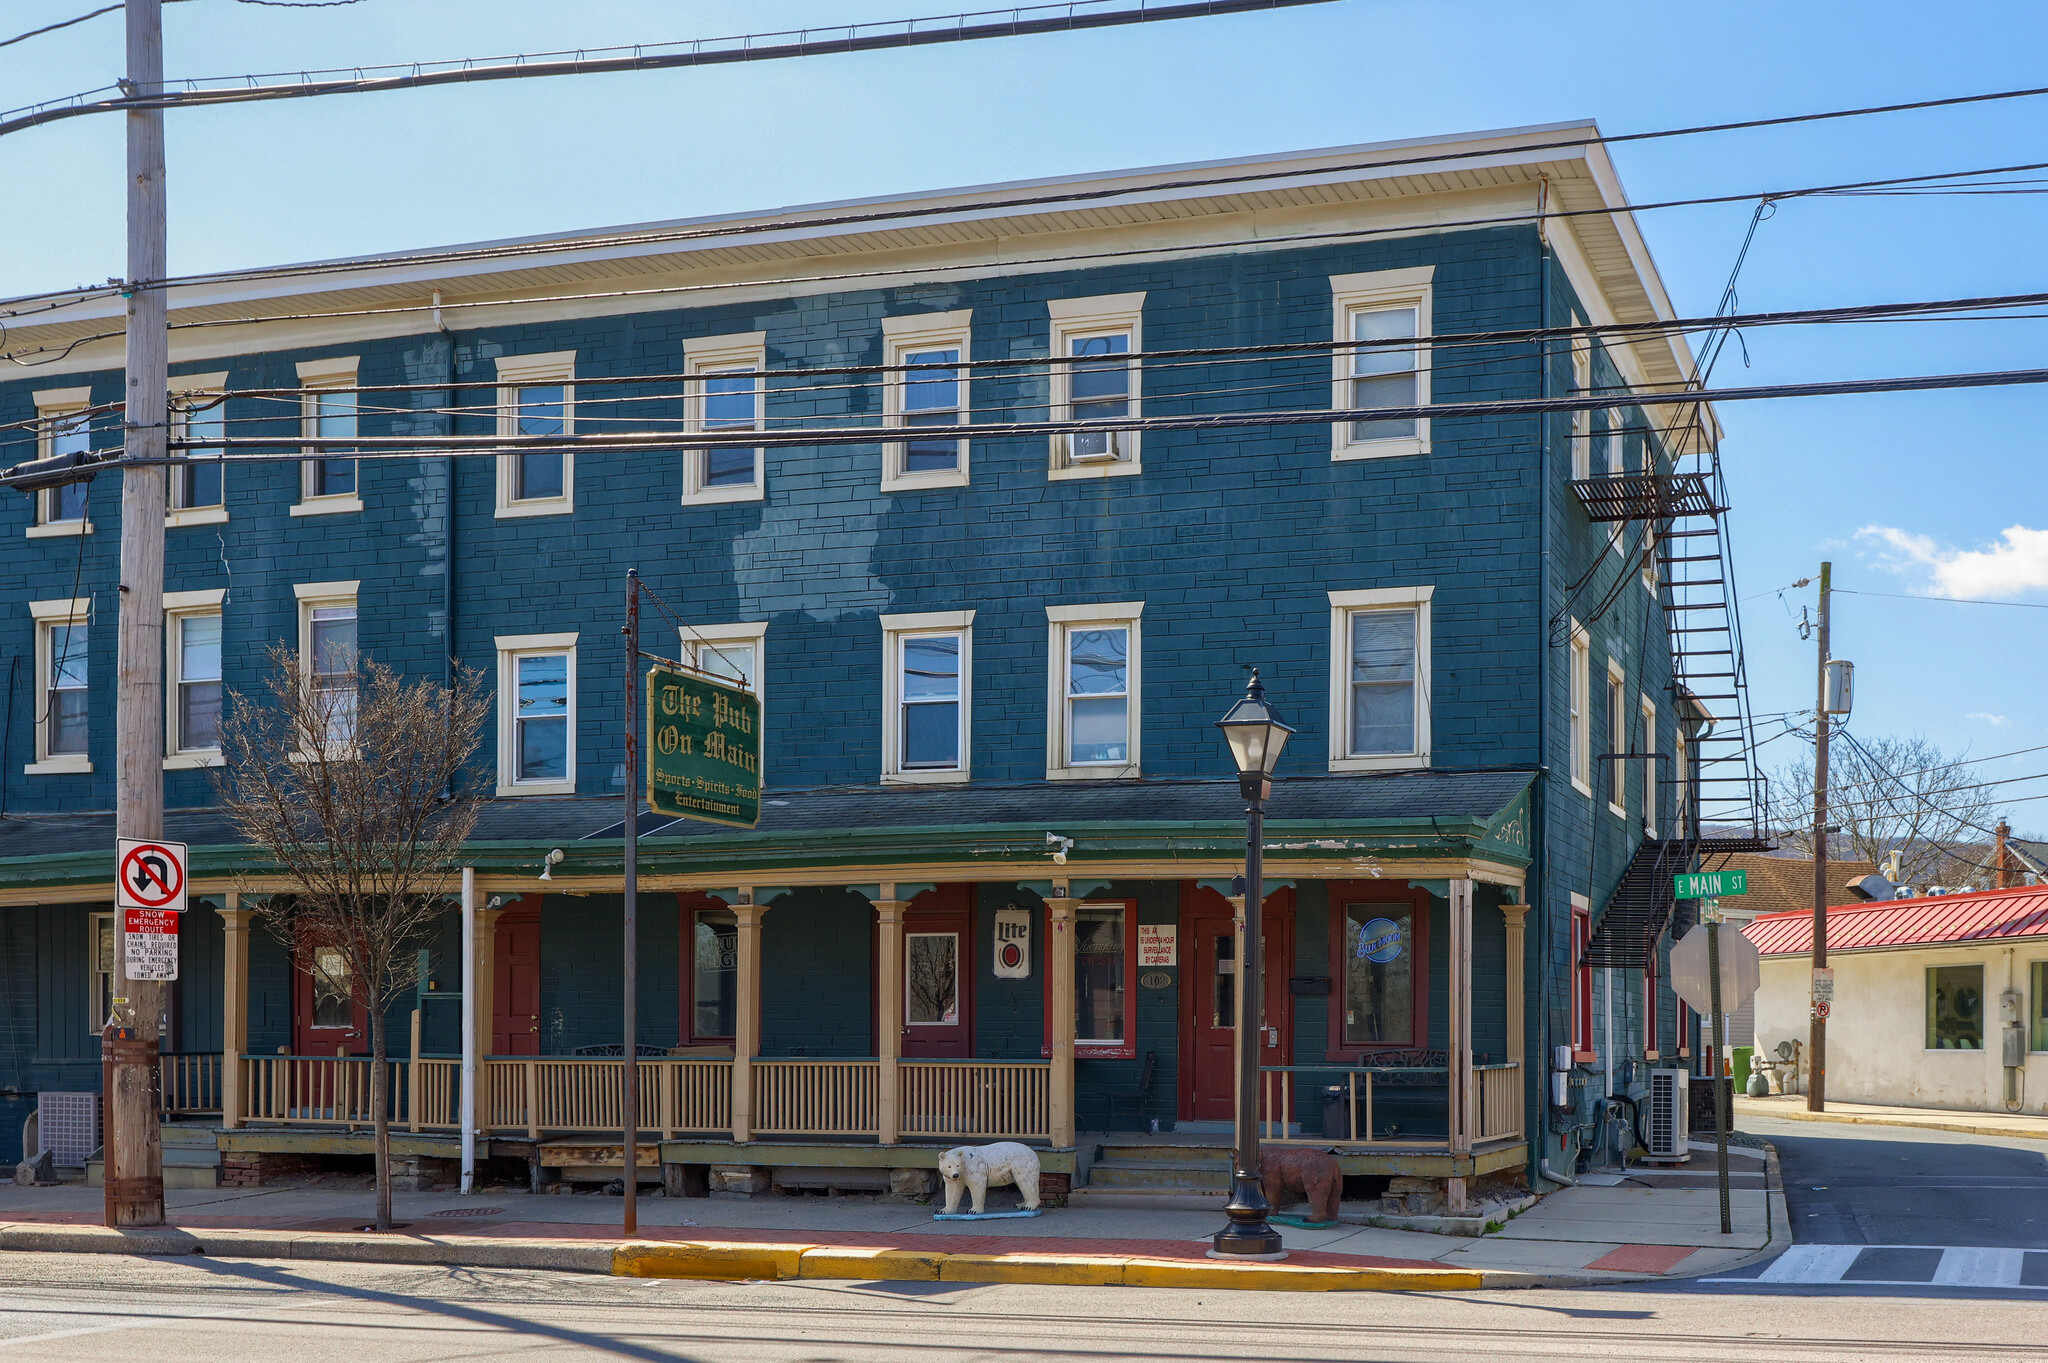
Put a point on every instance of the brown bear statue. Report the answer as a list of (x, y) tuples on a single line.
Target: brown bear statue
[(1288, 1172)]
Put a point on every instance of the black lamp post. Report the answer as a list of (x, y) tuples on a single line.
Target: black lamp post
[(1256, 736)]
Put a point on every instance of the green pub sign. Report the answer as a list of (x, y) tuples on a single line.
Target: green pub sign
[(703, 748), (1710, 884)]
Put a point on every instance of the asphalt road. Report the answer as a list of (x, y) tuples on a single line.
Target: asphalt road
[(68, 1307)]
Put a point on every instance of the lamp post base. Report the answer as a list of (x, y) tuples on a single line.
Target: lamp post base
[(1247, 1236)]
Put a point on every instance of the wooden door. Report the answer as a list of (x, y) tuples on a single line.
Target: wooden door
[(1208, 999), (938, 974), (324, 1021), (515, 981)]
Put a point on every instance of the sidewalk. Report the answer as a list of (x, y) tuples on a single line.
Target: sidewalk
[(1625, 1232), (1792, 1108)]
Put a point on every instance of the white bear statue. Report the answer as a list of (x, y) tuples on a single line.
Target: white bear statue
[(977, 1168)]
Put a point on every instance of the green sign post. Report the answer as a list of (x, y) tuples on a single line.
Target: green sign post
[(703, 748), (1710, 884)]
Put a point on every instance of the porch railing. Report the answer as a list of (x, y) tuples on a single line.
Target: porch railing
[(188, 1082), (1000, 1099), (1406, 1105), (535, 1094), (817, 1097), (310, 1089), (1497, 1104)]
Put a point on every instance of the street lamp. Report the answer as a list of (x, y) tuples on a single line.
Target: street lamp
[(1256, 737)]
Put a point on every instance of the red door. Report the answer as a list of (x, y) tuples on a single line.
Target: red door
[(324, 1021), (515, 980), (938, 974), (1208, 998)]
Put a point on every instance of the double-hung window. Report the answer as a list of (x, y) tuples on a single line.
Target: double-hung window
[(537, 402), (328, 409), (63, 428), (1580, 701), (536, 714), (1582, 421), (725, 395), (327, 647), (1379, 678), (1095, 377), (1617, 740), (1093, 699), (62, 699), (733, 653), (927, 684), (1582, 979), (198, 414), (930, 391), (1650, 767), (192, 678), (1381, 361)]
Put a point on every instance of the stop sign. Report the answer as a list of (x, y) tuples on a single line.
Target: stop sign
[(1739, 969)]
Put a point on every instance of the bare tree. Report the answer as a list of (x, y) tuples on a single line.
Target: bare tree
[(356, 782), (1890, 794)]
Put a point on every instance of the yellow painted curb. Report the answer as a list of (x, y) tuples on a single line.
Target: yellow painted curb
[(894, 1265), (1285, 1277), (707, 1259), (1048, 1269)]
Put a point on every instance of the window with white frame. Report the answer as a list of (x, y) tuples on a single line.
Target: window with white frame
[(537, 400), (725, 393), (195, 492), (105, 946), (328, 411), (735, 653), (1382, 359), (1617, 739), (927, 687), (328, 658), (62, 719), (1650, 769), (192, 678), (1379, 678), (1582, 421), (1580, 726), (1681, 767), (1093, 697), (1096, 377), (63, 427), (932, 393), (536, 714)]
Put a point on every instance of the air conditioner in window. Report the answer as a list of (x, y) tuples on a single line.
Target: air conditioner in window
[(1095, 447), (1667, 1135)]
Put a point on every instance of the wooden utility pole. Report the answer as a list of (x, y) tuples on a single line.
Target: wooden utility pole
[(133, 1145), (1817, 1037)]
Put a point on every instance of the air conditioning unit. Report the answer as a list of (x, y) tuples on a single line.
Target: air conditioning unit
[(1669, 1133), (68, 1126), (1095, 447)]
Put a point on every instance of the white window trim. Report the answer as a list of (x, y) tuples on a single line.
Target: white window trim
[(1342, 604), (743, 350), (1648, 712), (335, 372), (895, 629), (71, 611), (53, 404), (1578, 703), (521, 371), (1366, 292), (1060, 622), (187, 385), (1582, 421), (1617, 728), (178, 608), (754, 633), (1101, 314), (312, 595), (904, 336), (95, 1023), (512, 647)]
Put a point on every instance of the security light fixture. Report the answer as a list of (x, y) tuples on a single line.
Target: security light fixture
[(549, 862)]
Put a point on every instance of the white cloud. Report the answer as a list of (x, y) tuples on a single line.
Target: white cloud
[(2017, 562), (1995, 721)]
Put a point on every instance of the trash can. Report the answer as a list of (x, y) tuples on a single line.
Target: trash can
[(1336, 1120)]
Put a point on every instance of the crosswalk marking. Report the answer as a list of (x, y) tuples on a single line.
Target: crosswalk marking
[(1967, 1266), (1980, 1267), (1811, 1264)]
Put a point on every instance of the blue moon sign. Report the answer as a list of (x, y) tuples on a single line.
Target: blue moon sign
[(1380, 941)]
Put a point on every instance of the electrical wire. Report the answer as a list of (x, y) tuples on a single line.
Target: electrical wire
[(1950, 600)]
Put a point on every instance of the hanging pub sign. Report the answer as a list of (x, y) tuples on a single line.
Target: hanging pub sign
[(1013, 943), (703, 748)]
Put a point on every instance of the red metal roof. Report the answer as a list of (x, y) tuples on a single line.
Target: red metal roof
[(1986, 916)]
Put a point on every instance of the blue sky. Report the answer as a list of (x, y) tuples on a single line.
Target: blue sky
[(1926, 495)]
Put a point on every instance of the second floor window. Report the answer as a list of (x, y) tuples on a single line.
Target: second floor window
[(1383, 676), (1580, 701), (64, 700), (197, 655), (331, 677), (541, 720), (930, 693), (1098, 696)]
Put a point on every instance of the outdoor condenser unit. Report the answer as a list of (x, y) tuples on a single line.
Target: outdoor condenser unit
[(68, 1126), (1669, 1134)]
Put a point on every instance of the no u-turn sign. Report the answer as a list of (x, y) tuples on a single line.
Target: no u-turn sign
[(150, 874)]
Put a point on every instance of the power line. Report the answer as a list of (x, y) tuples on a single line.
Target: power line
[(61, 23), (109, 9), (1951, 600)]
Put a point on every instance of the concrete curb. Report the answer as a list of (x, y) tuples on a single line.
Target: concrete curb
[(1961, 1124)]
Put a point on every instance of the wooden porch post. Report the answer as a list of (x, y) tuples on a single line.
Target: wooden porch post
[(889, 1017), (746, 1023), (234, 1010), (1059, 961), (1518, 1024), (1460, 1042)]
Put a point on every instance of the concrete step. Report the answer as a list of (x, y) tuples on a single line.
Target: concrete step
[(1154, 1199), (190, 1138), (1160, 1177), (1166, 1154)]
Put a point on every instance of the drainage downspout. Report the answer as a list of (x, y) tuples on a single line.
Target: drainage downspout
[(448, 522), (1541, 869)]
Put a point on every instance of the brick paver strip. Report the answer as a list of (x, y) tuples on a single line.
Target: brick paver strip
[(1643, 1258)]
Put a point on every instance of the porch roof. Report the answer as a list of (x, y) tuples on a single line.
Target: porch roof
[(1416, 815)]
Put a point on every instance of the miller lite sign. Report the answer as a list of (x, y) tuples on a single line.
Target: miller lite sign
[(1013, 943)]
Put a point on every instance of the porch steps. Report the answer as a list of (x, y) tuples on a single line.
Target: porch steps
[(191, 1159), (1166, 1177)]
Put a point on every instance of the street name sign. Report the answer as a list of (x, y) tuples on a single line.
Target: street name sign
[(703, 748), (1709, 884), (150, 874), (151, 936)]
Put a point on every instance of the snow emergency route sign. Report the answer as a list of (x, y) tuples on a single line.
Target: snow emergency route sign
[(152, 943), (151, 874)]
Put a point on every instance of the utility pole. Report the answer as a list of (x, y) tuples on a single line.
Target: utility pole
[(1817, 1038), (133, 1144)]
